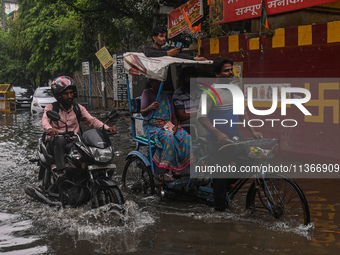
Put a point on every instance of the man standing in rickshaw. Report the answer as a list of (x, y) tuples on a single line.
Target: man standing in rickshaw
[(158, 36), (221, 134)]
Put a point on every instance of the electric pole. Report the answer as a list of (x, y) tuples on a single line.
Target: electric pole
[(155, 13), (102, 74)]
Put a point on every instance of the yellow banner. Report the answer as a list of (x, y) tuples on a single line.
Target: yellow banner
[(104, 57)]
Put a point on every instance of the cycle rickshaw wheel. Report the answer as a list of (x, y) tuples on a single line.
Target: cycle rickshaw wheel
[(137, 178), (284, 199)]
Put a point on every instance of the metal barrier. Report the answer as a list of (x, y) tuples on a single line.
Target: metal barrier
[(7, 99)]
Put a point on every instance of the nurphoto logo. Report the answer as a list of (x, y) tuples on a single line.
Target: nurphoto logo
[(238, 100)]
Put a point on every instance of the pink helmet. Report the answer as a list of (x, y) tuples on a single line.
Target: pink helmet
[(62, 83)]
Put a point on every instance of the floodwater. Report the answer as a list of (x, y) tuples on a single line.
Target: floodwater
[(149, 226)]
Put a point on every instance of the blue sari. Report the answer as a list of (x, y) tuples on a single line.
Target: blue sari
[(173, 150)]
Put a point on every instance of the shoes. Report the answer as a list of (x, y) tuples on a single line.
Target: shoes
[(220, 206), (169, 178)]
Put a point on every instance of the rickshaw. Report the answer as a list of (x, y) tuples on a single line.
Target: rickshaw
[(141, 177)]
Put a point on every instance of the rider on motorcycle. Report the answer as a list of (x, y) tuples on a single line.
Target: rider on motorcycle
[(64, 90)]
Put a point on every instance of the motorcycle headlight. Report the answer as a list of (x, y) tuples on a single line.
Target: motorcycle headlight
[(102, 155)]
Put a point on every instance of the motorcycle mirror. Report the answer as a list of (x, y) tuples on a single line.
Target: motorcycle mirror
[(53, 115), (113, 114)]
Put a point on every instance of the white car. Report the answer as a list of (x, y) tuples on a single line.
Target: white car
[(42, 97)]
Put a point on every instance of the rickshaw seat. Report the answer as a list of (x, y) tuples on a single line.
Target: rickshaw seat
[(144, 140)]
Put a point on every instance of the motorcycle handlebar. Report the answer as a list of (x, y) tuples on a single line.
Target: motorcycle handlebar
[(109, 132), (68, 134)]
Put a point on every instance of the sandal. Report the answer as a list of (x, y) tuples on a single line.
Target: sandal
[(168, 178)]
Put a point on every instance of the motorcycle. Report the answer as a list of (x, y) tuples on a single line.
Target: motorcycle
[(88, 170)]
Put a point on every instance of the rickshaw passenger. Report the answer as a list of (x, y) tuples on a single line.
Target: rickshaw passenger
[(187, 99), (173, 148), (158, 36)]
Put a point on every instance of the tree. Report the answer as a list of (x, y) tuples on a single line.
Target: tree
[(53, 37), (124, 25), (12, 69), (44, 34)]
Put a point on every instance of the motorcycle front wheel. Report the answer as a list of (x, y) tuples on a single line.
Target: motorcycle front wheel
[(107, 195)]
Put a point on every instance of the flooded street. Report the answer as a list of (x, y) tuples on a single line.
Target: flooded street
[(149, 226)]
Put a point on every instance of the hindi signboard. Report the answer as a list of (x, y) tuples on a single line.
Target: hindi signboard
[(176, 21), (85, 68), (223, 11), (104, 57), (119, 78)]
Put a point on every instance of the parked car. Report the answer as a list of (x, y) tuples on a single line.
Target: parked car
[(42, 97), (23, 95)]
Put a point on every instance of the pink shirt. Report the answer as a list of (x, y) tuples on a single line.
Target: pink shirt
[(70, 118)]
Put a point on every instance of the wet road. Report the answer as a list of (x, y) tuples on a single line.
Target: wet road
[(150, 226)]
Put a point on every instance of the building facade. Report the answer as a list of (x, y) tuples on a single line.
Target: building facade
[(305, 56)]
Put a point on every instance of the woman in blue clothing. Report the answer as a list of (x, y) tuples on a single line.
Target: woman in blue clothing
[(174, 143)]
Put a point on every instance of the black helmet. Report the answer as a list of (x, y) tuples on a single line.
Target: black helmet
[(62, 83)]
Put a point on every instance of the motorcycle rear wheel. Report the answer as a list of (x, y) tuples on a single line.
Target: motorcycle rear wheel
[(106, 195)]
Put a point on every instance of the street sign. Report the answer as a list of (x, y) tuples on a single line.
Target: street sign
[(86, 68)]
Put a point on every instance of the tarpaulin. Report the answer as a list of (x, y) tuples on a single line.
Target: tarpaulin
[(153, 68)]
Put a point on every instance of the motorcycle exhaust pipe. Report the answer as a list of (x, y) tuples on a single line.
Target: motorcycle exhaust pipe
[(37, 195)]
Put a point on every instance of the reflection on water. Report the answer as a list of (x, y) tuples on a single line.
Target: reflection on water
[(16, 236), (104, 229), (148, 226)]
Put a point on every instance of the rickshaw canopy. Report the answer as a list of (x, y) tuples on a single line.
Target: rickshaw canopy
[(153, 68)]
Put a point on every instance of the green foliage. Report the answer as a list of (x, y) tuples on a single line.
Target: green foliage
[(123, 25), (4, 57), (53, 37), (40, 43), (12, 70)]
